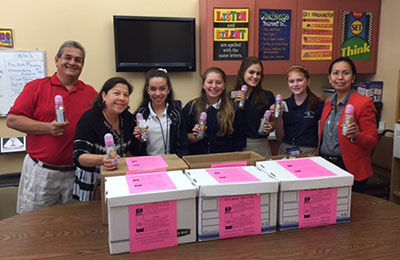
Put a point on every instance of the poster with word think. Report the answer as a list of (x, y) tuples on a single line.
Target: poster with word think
[(356, 35)]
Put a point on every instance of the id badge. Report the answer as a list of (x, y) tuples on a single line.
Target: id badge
[(293, 150)]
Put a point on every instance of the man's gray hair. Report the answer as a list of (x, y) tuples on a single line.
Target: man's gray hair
[(73, 44)]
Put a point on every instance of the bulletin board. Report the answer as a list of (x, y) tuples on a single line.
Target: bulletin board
[(16, 69)]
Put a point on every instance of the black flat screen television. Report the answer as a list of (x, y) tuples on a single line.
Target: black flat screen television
[(142, 43)]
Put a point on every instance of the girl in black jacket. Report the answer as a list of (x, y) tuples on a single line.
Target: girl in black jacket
[(166, 133)]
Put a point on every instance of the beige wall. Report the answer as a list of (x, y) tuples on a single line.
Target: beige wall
[(389, 58), (45, 24)]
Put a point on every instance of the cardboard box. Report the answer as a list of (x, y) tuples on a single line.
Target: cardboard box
[(396, 141), (119, 198), (220, 159), (259, 194), (173, 161), (314, 178)]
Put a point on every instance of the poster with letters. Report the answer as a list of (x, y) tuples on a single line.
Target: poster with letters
[(231, 33), (274, 34)]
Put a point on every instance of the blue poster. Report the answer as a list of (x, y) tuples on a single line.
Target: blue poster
[(274, 35)]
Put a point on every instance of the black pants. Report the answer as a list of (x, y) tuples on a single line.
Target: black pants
[(358, 186)]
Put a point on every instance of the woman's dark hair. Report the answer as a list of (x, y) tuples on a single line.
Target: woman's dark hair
[(157, 73), (107, 86), (260, 101), (313, 100), (345, 59)]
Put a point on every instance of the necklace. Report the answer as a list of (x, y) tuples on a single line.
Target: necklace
[(164, 137)]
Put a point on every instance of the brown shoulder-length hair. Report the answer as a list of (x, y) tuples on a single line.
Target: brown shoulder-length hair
[(226, 111), (313, 100), (260, 101)]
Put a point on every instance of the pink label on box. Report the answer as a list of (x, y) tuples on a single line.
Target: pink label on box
[(229, 164), (305, 168), (231, 175), (149, 182), (152, 225), (145, 171), (141, 163), (317, 207), (239, 215)]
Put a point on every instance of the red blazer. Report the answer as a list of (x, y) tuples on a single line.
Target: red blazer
[(356, 156)]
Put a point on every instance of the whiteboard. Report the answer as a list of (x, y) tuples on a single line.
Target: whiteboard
[(16, 69)]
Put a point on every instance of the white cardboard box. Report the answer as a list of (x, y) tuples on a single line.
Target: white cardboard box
[(210, 191), (290, 187), (396, 141), (119, 198)]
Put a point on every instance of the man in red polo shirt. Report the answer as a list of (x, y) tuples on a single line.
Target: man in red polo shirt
[(48, 173)]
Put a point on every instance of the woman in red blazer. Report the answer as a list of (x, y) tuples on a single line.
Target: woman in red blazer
[(350, 148)]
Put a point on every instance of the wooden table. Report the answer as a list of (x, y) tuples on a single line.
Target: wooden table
[(74, 231)]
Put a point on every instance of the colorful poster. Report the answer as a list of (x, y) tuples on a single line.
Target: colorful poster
[(149, 182), (356, 35), (143, 163), (274, 34), (231, 175), (317, 35), (231, 33), (6, 38), (317, 207), (305, 168), (152, 225), (239, 215)]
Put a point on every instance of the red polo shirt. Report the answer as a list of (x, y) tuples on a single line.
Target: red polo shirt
[(36, 101)]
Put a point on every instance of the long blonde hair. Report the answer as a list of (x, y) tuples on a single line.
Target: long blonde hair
[(226, 111)]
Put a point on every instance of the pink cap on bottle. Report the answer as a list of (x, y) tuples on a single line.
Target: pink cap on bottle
[(108, 139), (203, 116), (349, 109), (267, 114), (139, 116), (244, 88), (58, 100), (279, 97)]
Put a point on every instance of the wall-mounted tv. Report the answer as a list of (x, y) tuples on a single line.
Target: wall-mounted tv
[(142, 43)]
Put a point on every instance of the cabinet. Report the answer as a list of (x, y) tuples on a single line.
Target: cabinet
[(296, 7), (395, 175)]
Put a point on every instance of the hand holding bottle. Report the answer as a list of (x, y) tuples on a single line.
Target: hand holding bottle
[(60, 112), (263, 129), (243, 90), (350, 128), (278, 106), (202, 126), (111, 159), (142, 126)]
